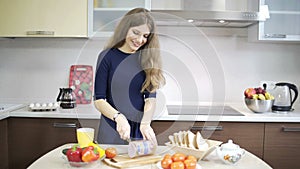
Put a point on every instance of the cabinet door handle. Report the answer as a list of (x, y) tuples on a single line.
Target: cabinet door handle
[(64, 125), (208, 128), (40, 32), (292, 129)]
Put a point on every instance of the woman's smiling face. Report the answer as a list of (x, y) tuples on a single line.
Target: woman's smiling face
[(136, 37)]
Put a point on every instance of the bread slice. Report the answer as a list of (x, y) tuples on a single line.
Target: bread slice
[(171, 139), (191, 140), (181, 139), (176, 139), (201, 143), (184, 140)]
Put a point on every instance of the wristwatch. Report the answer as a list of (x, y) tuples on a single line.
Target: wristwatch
[(116, 115)]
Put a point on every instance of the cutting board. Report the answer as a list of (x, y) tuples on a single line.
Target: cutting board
[(123, 161), (81, 81)]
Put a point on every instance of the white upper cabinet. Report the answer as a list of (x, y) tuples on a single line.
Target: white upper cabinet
[(166, 4), (46, 18), (283, 24), (107, 13)]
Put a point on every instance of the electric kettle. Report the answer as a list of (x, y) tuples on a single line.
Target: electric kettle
[(67, 98), (284, 99)]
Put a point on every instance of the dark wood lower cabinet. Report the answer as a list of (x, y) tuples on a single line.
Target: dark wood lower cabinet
[(4, 144), (248, 135), (30, 138), (24, 140), (282, 145), (163, 129)]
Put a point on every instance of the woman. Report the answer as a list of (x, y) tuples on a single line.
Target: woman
[(128, 74)]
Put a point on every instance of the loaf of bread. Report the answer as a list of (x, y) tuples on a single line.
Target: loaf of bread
[(189, 139)]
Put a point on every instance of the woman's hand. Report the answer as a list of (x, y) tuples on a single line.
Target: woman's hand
[(123, 127), (148, 133)]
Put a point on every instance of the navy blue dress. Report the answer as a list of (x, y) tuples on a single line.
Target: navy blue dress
[(119, 79)]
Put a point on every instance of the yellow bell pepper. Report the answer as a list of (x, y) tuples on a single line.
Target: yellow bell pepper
[(100, 150)]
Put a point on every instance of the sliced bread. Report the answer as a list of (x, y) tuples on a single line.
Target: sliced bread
[(201, 143)]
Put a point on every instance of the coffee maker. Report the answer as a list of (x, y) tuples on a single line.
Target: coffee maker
[(66, 98)]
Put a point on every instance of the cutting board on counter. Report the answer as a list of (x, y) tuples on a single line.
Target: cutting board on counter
[(123, 161), (81, 81)]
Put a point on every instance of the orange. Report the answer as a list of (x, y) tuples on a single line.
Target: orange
[(167, 156), (178, 157), (190, 157), (177, 165), (166, 163), (190, 164)]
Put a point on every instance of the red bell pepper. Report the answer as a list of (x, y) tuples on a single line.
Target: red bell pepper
[(74, 154), (89, 154)]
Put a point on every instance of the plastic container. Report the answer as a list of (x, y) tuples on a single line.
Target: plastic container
[(140, 148)]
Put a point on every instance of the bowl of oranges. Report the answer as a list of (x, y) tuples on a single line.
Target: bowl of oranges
[(178, 161)]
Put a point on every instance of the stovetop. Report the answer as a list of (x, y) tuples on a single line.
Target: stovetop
[(4, 107), (202, 110)]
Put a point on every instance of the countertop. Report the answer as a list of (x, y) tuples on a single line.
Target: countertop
[(54, 159), (89, 112)]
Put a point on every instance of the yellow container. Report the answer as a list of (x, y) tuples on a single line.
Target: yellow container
[(85, 136)]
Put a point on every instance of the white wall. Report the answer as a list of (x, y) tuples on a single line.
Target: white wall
[(33, 70)]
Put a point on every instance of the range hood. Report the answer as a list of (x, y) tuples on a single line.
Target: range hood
[(211, 13)]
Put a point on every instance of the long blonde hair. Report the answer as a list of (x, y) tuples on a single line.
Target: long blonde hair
[(150, 58)]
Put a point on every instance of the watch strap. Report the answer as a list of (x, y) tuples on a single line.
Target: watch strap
[(116, 115)]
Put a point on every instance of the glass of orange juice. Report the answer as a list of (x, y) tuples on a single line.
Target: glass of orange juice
[(85, 136)]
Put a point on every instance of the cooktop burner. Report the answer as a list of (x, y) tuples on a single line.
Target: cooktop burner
[(9, 107), (202, 110)]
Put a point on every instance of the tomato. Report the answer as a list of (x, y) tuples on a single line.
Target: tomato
[(190, 157), (166, 163), (178, 157), (177, 165), (110, 152), (190, 164)]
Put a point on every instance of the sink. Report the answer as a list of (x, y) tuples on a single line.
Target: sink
[(202, 110)]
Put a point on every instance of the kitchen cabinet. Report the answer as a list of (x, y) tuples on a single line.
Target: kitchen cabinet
[(163, 129), (108, 12), (283, 24), (30, 138), (248, 135), (50, 18), (278, 144), (282, 145), (4, 144), (166, 5)]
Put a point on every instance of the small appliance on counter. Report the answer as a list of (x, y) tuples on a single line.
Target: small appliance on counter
[(284, 99), (66, 98)]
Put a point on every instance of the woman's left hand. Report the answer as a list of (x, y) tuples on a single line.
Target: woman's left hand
[(148, 133)]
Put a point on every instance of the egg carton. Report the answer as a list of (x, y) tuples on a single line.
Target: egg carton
[(43, 106)]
